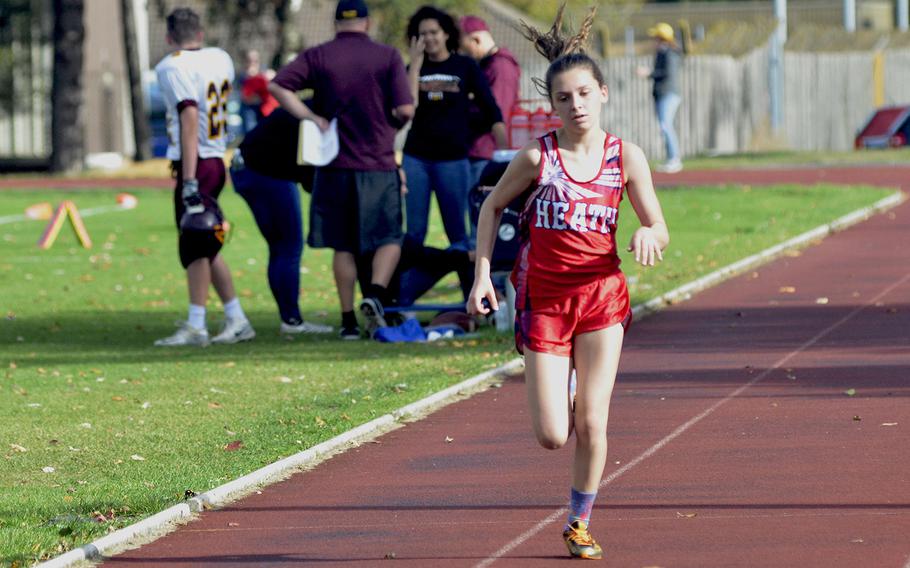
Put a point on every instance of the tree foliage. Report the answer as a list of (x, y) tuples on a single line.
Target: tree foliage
[(392, 16)]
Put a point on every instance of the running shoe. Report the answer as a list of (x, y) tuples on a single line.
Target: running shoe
[(351, 333), (235, 330), (305, 327), (580, 542), (670, 166), (185, 335), (371, 308)]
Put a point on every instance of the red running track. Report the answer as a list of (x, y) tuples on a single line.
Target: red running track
[(732, 442)]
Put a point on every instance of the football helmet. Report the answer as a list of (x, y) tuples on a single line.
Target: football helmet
[(202, 234)]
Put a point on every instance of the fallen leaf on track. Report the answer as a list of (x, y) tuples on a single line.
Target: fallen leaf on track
[(857, 418), (889, 423), (850, 392), (787, 289), (449, 440), (686, 515), (821, 301)]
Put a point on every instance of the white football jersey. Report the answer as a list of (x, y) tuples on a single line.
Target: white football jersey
[(204, 76)]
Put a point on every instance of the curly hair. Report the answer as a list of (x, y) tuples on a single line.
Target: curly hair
[(563, 53), (446, 22)]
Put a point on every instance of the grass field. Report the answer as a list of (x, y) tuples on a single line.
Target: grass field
[(801, 159), (101, 429), (158, 168)]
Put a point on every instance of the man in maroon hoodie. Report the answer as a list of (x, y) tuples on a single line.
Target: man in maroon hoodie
[(503, 73)]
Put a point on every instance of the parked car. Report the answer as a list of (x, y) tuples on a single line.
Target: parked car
[(888, 127)]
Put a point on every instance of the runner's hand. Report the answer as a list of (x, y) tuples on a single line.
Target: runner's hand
[(482, 290), (645, 246)]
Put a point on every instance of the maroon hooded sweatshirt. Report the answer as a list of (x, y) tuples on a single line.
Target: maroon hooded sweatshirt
[(504, 75)]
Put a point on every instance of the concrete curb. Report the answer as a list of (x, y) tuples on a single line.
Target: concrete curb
[(276, 471), (230, 491)]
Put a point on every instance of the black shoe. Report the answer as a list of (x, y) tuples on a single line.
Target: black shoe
[(349, 333), (371, 308)]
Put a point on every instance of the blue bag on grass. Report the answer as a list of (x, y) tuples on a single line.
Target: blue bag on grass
[(409, 331)]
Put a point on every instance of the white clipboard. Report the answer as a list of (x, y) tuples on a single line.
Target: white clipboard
[(315, 147)]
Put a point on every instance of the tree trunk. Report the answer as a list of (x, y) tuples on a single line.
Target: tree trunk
[(67, 130), (282, 15), (137, 101)]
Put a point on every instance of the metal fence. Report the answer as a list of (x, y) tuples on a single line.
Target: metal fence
[(827, 99), (725, 109), (25, 78)]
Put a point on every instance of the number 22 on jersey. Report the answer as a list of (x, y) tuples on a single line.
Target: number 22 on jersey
[(217, 103)]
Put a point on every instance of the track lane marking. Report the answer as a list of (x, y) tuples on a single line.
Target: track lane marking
[(527, 535)]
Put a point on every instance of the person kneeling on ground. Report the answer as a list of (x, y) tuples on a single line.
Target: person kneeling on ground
[(419, 269)]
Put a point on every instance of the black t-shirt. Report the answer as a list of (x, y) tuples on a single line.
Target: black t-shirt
[(271, 148), (441, 129)]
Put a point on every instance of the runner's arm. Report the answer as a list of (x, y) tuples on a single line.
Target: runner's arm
[(520, 174), (652, 237)]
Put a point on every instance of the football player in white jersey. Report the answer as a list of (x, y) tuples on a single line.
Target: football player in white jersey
[(196, 82)]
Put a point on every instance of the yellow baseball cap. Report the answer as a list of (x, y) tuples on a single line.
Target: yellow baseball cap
[(662, 31)]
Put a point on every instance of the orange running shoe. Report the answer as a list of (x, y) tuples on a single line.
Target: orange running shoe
[(580, 542)]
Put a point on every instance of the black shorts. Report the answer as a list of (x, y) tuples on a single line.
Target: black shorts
[(355, 211)]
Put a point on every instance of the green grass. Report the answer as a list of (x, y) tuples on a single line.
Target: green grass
[(129, 428), (784, 158)]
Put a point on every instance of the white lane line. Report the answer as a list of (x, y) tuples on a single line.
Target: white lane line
[(530, 533)]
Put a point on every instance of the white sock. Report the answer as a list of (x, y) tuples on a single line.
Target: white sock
[(232, 309), (196, 316)]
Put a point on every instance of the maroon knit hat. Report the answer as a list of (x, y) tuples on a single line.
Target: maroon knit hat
[(471, 24)]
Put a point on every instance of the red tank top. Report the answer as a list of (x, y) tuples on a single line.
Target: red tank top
[(568, 227)]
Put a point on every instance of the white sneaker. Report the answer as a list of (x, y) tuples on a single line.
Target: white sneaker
[(373, 313), (235, 330), (670, 167), (186, 335), (305, 327)]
